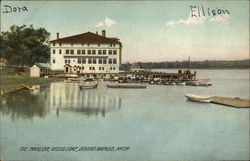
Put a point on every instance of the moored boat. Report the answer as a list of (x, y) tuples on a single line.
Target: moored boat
[(170, 83), (72, 80), (135, 86), (203, 99), (192, 83), (180, 82), (88, 86)]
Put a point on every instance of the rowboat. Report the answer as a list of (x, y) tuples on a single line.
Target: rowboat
[(192, 83), (72, 80), (180, 82), (88, 86), (197, 98), (170, 83), (126, 86)]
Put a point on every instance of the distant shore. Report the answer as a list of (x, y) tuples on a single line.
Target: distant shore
[(206, 64)]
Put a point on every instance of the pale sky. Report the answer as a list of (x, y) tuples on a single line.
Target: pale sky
[(148, 30)]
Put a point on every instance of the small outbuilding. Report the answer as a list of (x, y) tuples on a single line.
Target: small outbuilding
[(39, 70)]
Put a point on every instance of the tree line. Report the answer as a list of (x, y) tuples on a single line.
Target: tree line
[(23, 45), (207, 64)]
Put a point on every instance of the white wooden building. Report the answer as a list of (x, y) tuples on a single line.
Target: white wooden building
[(87, 53), (39, 70)]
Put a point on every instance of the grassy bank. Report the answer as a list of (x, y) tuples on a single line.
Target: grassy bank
[(11, 80)]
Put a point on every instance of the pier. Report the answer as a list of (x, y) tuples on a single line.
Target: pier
[(233, 102), (142, 75)]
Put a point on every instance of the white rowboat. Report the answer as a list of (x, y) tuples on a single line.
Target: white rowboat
[(88, 86), (203, 99)]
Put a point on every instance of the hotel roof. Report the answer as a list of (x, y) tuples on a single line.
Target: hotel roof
[(87, 38)]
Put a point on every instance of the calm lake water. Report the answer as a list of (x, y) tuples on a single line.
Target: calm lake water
[(156, 123)]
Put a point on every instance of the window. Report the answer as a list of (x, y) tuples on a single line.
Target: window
[(114, 61), (110, 68), (100, 61), (99, 52), (89, 60), (84, 61), (88, 44), (98, 45), (90, 68), (110, 52), (110, 45), (114, 45), (104, 52), (110, 61), (71, 44), (60, 51), (54, 44), (83, 52), (104, 61), (79, 61), (73, 60), (93, 51), (78, 51), (82, 68), (54, 61), (89, 52), (60, 44), (94, 61), (101, 68), (54, 51), (71, 51), (113, 68), (114, 52), (67, 51), (66, 61), (82, 44)]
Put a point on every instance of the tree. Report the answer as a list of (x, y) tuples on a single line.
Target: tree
[(24, 45)]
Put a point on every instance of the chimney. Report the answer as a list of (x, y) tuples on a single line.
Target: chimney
[(103, 33), (57, 35), (96, 32)]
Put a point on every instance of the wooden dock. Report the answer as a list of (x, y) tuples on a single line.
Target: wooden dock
[(126, 86), (32, 88), (229, 101)]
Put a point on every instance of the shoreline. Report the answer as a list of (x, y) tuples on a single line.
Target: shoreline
[(4, 93), (11, 80)]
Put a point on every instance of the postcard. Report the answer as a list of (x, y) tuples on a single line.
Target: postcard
[(124, 80)]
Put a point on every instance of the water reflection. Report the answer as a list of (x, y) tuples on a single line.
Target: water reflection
[(68, 97), (56, 98), (25, 104)]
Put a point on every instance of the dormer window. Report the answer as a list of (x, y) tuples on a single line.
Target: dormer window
[(60, 44), (54, 44), (71, 44)]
